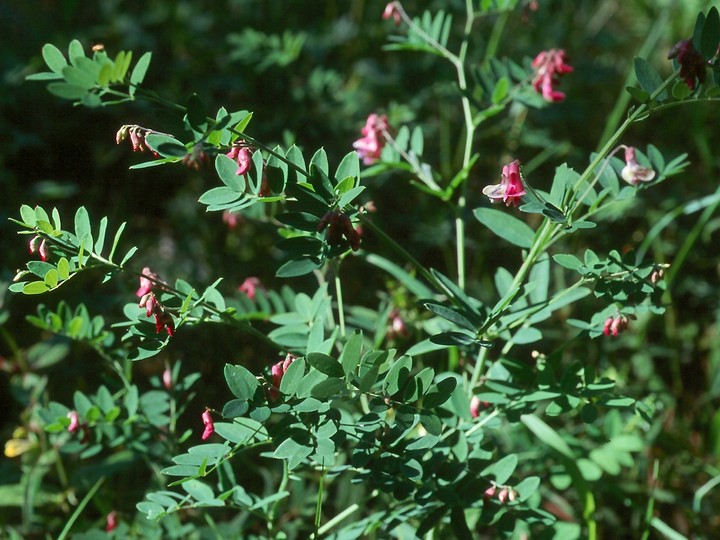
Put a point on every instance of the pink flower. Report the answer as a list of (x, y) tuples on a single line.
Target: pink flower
[(476, 406), (549, 66), (393, 10), (209, 425), (250, 286), (371, 144), (164, 321), (510, 190), (242, 156), (692, 63), (167, 378), (277, 371), (147, 281), (74, 421), (111, 521), (634, 173), (504, 495), (231, 219), (613, 326), (39, 246), (489, 492), (397, 325)]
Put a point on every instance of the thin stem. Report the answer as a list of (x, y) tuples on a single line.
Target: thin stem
[(340, 306)]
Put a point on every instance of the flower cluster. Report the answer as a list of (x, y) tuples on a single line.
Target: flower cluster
[(338, 225), (392, 10), (503, 494), (209, 425), (634, 173), (692, 63), (153, 307), (549, 66), (510, 190), (615, 325), (370, 145), (137, 136)]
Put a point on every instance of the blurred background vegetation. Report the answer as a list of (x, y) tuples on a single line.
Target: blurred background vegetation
[(311, 73)]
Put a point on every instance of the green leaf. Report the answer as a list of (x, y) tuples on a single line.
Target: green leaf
[(325, 364), (79, 77), (35, 287), (242, 383), (82, 224), (66, 91), (138, 72), (710, 35), (351, 353), (63, 268), (54, 59), (349, 167), (451, 315), (198, 490), (227, 171), (27, 215), (503, 469), (220, 195), (328, 388), (292, 377), (648, 77), (571, 262), (165, 145), (547, 435), (298, 267), (397, 375), (508, 227)]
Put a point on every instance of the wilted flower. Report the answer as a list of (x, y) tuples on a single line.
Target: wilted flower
[(338, 225), (209, 425), (74, 421), (242, 156), (634, 173), (549, 66), (137, 136), (196, 157), (393, 10), (692, 63), (250, 286), (111, 521), (371, 144), (164, 321), (510, 190)]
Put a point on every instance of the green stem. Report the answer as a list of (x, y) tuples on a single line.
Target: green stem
[(340, 306), (80, 508)]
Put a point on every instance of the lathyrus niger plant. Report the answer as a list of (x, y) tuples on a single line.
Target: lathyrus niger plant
[(462, 404)]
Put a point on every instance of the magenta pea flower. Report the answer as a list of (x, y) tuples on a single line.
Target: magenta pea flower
[(147, 281), (209, 425), (39, 245), (74, 421), (277, 371), (242, 156), (692, 63), (111, 521), (549, 66), (510, 190), (613, 326), (370, 145), (250, 286), (634, 173), (392, 10)]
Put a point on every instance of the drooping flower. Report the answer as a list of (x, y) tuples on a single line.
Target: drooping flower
[(397, 325), (209, 425), (250, 286), (510, 190), (393, 10), (147, 281), (476, 405), (242, 156), (370, 145), (167, 378), (231, 219), (137, 136), (111, 521), (74, 421), (39, 245), (692, 63), (164, 321), (276, 372), (339, 226), (634, 173), (613, 326), (549, 66)]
